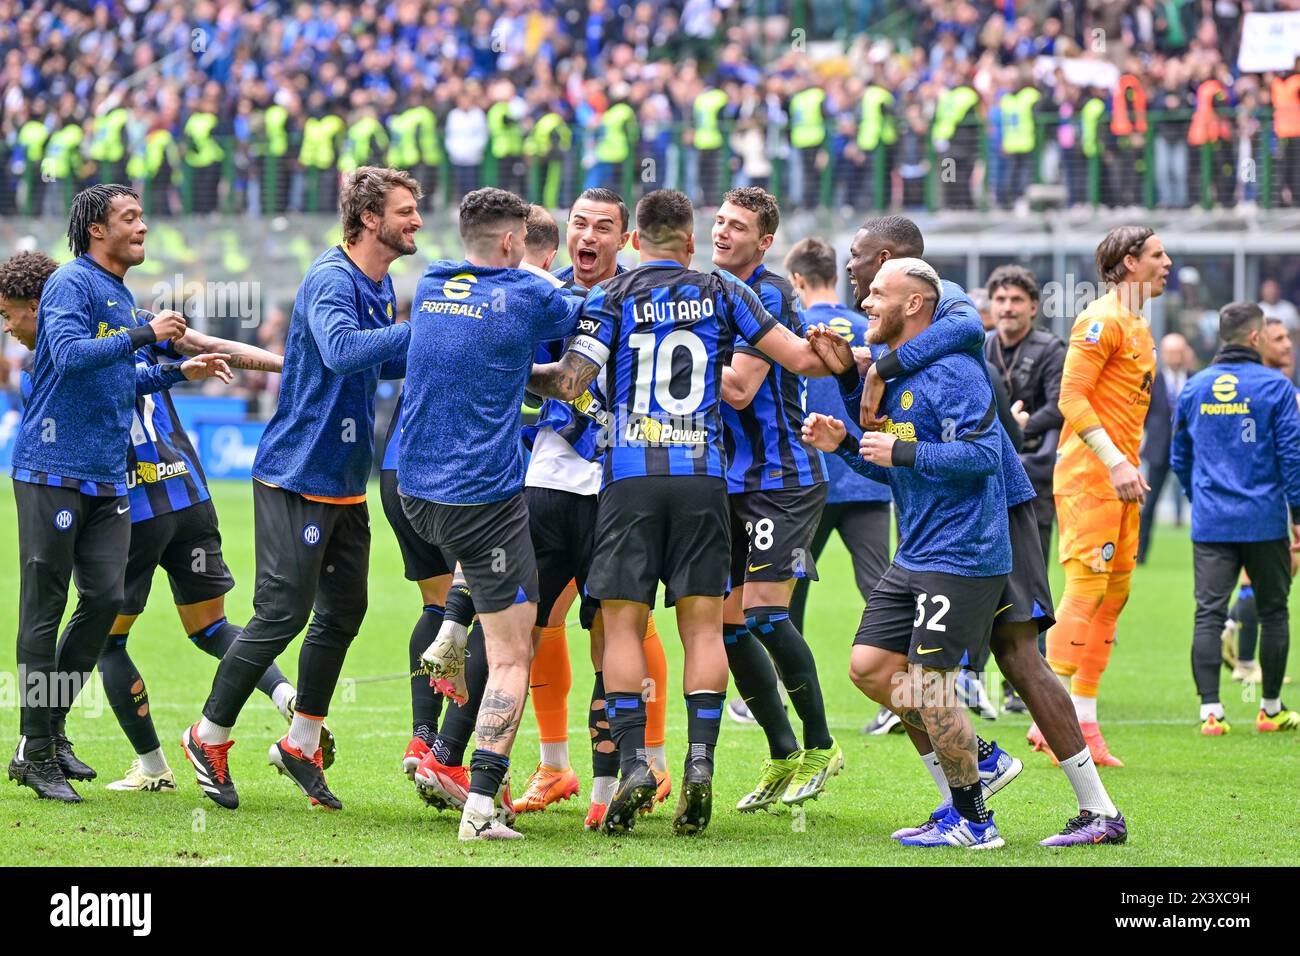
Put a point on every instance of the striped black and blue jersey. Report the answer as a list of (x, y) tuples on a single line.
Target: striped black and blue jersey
[(663, 333), (763, 440), (163, 473)]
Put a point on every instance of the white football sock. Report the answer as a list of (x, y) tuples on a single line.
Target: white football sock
[(1271, 705), (1066, 682), (154, 763), (1246, 662), (556, 755), (1085, 708), (1088, 788), (304, 734), (210, 733), (602, 789), (481, 804), (281, 695), (657, 758), (1208, 709), (931, 762)]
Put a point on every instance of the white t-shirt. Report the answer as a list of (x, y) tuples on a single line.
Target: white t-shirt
[(554, 464)]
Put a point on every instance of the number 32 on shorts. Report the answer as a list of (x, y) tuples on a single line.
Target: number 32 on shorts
[(940, 608)]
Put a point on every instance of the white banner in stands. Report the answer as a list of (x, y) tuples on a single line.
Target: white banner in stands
[(1270, 42)]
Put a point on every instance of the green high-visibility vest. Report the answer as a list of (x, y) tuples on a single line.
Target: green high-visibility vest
[(875, 125), (403, 153), (275, 127), (615, 143), (507, 139), (319, 135), (413, 135), (551, 134), (365, 136), (32, 138), (1018, 133), (107, 144), (1089, 120), (61, 153), (807, 125), (201, 149), (951, 109), (705, 110), (147, 161)]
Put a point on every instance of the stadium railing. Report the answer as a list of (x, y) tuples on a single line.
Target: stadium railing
[(1155, 169)]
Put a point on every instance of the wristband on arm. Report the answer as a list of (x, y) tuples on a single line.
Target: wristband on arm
[(1103, 447)]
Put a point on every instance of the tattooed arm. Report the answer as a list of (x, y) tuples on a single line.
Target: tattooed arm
[(244, 356), (566, 379)]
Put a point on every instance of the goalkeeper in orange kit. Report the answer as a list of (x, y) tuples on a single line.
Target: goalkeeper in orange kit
[(1105, 392)]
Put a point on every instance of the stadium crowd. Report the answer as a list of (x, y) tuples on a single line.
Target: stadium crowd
[(260, 106)]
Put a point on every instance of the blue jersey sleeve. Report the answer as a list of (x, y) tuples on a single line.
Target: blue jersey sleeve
[(956, 328), (974, 447), (1286, 441), (68, 326), (344, 346), (155, 378), (1182, 452), (850, 456), (557, 313), (748, 316)]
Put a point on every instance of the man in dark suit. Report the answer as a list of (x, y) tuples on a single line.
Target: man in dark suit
[(1175, 366)]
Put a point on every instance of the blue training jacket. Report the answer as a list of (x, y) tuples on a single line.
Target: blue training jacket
[(1236, 449)]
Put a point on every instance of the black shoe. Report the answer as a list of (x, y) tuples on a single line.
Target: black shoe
[(44, 775), (1011, 702), (211, 770), (306, 772), (636, 791), (73, 768), (695, 805)]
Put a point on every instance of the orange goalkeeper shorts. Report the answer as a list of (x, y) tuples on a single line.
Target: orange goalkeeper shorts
[(1100, 532)]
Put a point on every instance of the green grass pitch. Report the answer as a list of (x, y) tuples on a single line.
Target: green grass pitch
[(1189, 800)]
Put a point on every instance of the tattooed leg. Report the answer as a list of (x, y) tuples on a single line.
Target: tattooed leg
[(508, 639), (953, 737)]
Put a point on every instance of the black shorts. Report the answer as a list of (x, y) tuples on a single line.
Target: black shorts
[(490, 543), (187, 545), (563, 527), (420, 559), (1027, 595), (772, 533), (670, 528), (931, 617)]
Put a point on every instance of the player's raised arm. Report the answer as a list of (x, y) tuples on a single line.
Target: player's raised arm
[(66, 320), (240, 355), (586, 355), (830, 435), (761, 329), (346, 347), (742, 379), (1091, 345)]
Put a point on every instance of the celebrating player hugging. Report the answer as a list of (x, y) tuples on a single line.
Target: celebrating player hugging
[(678, 442)]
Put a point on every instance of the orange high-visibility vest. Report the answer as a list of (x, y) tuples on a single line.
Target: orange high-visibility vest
[(1286, 106), (1121, 124), (1206, 126)]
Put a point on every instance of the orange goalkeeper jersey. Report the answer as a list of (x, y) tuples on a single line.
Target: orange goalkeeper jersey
[(1107, 381)]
